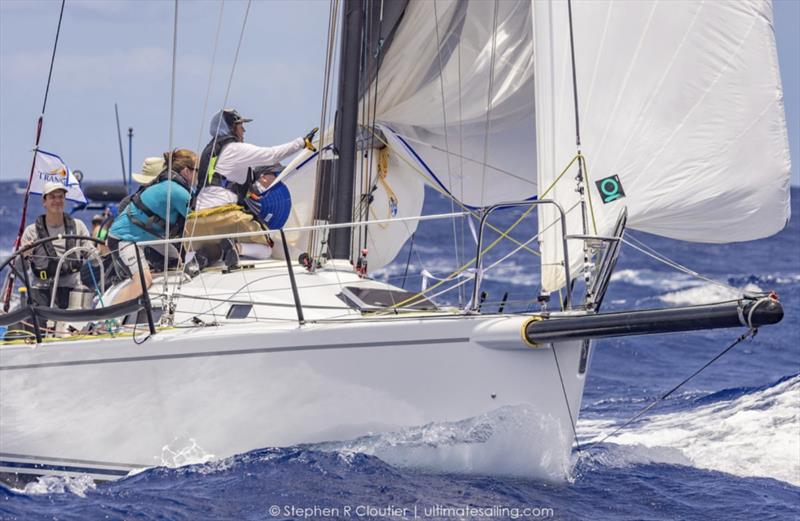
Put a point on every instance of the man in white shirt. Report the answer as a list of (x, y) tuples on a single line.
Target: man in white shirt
[(225, 177)]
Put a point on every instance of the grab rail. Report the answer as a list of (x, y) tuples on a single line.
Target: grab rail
[(92, 251), (478, 256)]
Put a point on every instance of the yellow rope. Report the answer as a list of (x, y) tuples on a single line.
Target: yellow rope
[(213, 211), (383, 172)]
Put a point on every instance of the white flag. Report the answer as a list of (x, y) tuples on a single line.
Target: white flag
[(49, 168)]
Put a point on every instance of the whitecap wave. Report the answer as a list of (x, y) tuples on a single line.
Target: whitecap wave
[(708, 293), (754, 435), (658, 280)]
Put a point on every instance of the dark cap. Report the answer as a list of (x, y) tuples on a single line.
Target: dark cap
[(232, 117)]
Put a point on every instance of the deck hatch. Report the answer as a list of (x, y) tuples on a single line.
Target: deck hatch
[(239, 311), (371, 299)]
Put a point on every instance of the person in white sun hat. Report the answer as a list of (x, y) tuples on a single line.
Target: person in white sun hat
[(44, 258)]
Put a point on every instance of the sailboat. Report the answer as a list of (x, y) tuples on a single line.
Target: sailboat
[(600, 116)]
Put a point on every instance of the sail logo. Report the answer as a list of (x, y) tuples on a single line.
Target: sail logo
[(56, 175), (610, 189)]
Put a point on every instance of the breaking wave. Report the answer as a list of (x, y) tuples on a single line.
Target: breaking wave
[(749, 435)]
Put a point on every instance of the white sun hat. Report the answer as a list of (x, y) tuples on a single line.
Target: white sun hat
[(151, 167)]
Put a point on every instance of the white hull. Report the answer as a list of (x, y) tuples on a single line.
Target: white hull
[(104, 407)]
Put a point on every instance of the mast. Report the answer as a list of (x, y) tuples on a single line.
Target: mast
[(340, 189)]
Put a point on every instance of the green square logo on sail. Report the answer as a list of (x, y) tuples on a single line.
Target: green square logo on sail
[(610, 189)]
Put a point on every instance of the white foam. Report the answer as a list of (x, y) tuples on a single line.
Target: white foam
[(511, 441), (58, 485), (755, 435), (183, 451), (707, 293), (657, 280)]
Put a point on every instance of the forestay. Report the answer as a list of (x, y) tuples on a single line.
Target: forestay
[(681, 100)]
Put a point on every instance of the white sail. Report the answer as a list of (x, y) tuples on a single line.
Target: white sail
[(681, 100), (456, 85), (398, 192)]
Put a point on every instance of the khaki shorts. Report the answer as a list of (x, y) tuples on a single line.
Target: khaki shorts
[(232, 221)]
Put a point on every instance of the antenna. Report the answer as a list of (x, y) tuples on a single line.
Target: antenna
[(130, 158), (121, 153)]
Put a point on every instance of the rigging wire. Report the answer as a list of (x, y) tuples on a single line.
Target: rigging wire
[(224, 101), (356, 213), (489, 103), (330, 58), (227, 90), (18, 241), (372, 120), (183, 245), (647, 250), (580, 179), (750, 333), (408, 260), (461, 155), (566, 398), (169, 159), (446, 137)]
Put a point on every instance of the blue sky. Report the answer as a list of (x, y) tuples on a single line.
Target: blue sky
[(121, 51)]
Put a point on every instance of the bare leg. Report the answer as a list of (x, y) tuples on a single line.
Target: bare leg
[(133, 288)]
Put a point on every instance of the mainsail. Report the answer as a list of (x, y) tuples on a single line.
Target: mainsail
[(682, 101)]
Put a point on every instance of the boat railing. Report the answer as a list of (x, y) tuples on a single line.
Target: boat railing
[(475, 302), (328, 226)]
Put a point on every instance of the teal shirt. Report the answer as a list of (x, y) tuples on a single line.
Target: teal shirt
[(155, 198)]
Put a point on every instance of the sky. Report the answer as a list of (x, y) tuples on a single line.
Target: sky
[(120, 51)]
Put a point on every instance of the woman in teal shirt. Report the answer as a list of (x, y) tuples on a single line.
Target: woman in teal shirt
[(144, 219)]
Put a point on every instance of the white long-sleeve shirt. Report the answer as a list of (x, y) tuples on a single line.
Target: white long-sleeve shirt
[(233, 163)]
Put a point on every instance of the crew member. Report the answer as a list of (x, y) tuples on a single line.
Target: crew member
[(44, 258), (225, 178), (144, 218)]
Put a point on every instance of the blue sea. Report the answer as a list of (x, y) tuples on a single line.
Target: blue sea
[(724, 446)]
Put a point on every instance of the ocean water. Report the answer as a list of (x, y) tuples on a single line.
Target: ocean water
[(724, 446)]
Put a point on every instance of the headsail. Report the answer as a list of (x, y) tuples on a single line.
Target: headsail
[(682, 101), (456, 86)]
